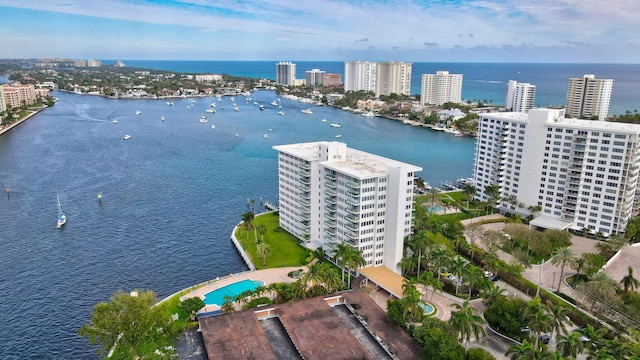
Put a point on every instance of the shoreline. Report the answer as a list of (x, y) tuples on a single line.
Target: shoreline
[(34, 112)]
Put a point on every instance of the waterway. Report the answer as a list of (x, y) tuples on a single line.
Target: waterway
[(170, 198)]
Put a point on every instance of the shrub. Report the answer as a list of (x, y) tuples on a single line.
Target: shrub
[(504, 316), (255, 302)]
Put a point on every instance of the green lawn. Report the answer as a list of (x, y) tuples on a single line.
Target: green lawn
[(285, 248)]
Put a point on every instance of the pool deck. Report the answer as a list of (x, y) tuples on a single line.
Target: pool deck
[(269, 276)]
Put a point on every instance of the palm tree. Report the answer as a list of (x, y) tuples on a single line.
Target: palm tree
[(342, 250), (247, 218), (407, 264), (570, 345), (491, 294), (427, 279), (493, 195), (319, 253), (535, 314), (629, 282), (458, 268), (563, 256), (354, 262), (470, 191), (411, 300), (440, 257), (418, 244), (262, 229), (465, 323), (475, 278), (558, 314), (227, 306), (262, 251), (602, 283), (520, 352)]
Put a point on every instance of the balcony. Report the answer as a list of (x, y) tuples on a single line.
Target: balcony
[(352, 226), (305, 180), (305, 172), (330, 192), (330, 240), (331, 177), (354, 210), (305, 202), (305, 209), (353, 184), (305, 217), (331, 223), (331, 185), (331, 208), (304, 165), (353, 202), (306, 195), (331, 200), (330, 215), (353, 193), (304, 187), (331, 231), (353, 218)]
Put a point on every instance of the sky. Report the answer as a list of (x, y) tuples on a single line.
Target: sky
[(548, 31)]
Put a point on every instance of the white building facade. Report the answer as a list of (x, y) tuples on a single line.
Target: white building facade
[(330, 194), (360, 75), (520, 96), (393, 78), (582, 173), (440, 88), (313, 77), (588, 97), (285, 73)]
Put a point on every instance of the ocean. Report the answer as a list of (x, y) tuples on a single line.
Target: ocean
[(171, 196), (481, 81)]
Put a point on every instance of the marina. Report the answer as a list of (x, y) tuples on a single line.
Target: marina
[(127, 241)]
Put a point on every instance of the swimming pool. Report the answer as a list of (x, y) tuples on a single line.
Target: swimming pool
[(428, 308), (434, 208), (216, 297)]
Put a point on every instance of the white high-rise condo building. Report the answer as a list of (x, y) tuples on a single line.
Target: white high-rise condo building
[(393, 78), (440, 88), (589, 98), (520, 96), (313, 77), (285, 73), (360, 75), (330, 194), (582, 173)]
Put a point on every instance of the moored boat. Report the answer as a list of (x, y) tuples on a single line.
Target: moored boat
[(336, 125)]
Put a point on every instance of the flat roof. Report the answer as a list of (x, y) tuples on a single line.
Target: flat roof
[(548, 222), (385, 278)]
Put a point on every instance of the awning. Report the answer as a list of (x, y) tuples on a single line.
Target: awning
[(548, 222), (385, 278)]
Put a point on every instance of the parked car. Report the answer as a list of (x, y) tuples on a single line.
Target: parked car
[(544, 338), (494, 278)]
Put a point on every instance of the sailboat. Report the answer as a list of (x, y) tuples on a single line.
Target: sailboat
[(62, 219)]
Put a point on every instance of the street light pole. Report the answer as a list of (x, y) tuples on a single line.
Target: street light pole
[(540, 278)]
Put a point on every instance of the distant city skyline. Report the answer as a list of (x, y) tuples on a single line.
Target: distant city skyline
[(556, 31)]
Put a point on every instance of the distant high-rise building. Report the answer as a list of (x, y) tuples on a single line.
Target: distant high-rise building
[(589, 98), (330, 194), (313, 77), (119, 64), (393, 78), (286, 73), (331, 80), (360, 75), (94, 63), (79, 63), (19, 95), (520, 96), (440, 88), (3, 102)]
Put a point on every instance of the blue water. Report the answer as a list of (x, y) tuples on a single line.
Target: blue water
[(216, 297), (170, 198), (426, 307), (481, 81)]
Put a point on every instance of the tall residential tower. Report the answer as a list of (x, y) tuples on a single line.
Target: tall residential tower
[(582, 173), (589, 98), (393, 78), (285, 73), (440, 88), (330, 194), (520, 96), (360, 75)]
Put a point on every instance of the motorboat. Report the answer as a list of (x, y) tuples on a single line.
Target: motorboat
[(338, 136), (213, 126), (161, 118), (280, 112), (261, 107), (114, 121), (203, 120), (274, 103), (211, 111), (169, 103), (368, 114), (265, 136), (236, 108), (324, 120), (126, 137), (306, 111), (336, 125), (138, 112)]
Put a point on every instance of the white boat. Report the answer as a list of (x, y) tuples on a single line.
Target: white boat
[(274, 103), (233, 99), (237, 134), (169, 103), (212, 104), (203, 120), (62, 218), (265, 136), (280, 112), (368, 114), (338, 136), (437, 128), (211, 111), (306, 111), (114, 121), (161, 118), (255, 103), (138, 112), (336, 125), (324, 120), (236, 108), (213, 126), (261, 107), (270, 129), (126, 137)]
